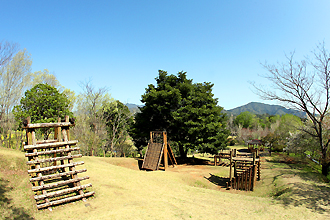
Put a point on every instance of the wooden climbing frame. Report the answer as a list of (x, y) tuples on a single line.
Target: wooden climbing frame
[(158, 147), (246, 170), (48, 161)]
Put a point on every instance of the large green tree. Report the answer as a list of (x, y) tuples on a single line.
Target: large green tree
[(186, 110), (43, 103)]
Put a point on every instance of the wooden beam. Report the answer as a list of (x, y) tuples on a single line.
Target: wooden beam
[(62, 192), (53, 159), (55, 167), (52, 151), (48, 125), (52, 176), (44, 205), (53, 185), (46, 141), (50, 145)]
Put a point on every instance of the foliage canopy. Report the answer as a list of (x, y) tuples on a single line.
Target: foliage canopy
[(44, 104), (186, 110)]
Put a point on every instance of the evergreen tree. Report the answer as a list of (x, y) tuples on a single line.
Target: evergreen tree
[(186, 110)]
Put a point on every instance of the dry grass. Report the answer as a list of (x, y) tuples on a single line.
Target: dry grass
[(183, 192)]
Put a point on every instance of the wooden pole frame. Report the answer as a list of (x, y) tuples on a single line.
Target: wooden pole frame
[(42, 161)]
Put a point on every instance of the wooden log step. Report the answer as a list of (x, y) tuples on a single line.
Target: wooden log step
[(44, 205), (46, 141), (61, 192), (52, 151), (49, 145), (53, 159), (62, 183), (52, 176), (241, 169), (55, 167), (48, 125), (244, 159)]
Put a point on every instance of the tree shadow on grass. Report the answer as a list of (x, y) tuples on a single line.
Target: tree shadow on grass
[(313, 197), (310, 191), (219, 181), (6, 204)]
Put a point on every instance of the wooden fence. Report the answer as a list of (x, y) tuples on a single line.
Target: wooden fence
[(48, 161)]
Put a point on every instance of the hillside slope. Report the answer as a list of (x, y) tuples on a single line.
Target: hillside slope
[(123, 193), (261, 108)]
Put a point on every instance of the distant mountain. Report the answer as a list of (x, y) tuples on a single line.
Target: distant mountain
[(261, 108), (133, 107)]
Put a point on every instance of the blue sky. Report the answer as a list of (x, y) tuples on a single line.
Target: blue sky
[(122, 44)]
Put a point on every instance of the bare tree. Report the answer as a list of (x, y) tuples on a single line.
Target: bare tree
[(305, 86), (13, 81), (91, 128), (7, 51)]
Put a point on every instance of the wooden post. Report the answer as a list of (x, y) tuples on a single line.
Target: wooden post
[(250, 176), (151, 139), (165, 150), (246, 180), (230, 165), (259, 169), (254, 171)]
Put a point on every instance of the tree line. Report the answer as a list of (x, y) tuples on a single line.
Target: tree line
[(188, 111)]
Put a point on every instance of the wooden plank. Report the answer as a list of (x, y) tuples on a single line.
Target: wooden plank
[(69, 199), (48, 125), (61, 192), (55, 167), (52, 151), (53, 159), (52, 176), (50, 145), (62, 183), (244, 159)]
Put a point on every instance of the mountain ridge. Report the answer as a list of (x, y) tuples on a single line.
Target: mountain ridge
[(259, 108)]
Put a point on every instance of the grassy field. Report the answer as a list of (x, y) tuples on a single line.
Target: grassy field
[(288, 190)]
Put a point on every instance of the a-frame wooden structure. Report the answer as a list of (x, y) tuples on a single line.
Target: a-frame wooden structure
[(47, 161), (158, 147)]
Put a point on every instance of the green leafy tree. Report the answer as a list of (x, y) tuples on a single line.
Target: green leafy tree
[(282, 130), (117, 118), (187, 111), (44, 104), (246, 120)]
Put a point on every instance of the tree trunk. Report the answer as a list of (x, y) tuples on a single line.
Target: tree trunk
[(183, 153), (325, 169), (324, 162)]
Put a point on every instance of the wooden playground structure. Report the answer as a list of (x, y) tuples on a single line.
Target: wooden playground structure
[(48, 159), (244, 168), (157, 149)]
